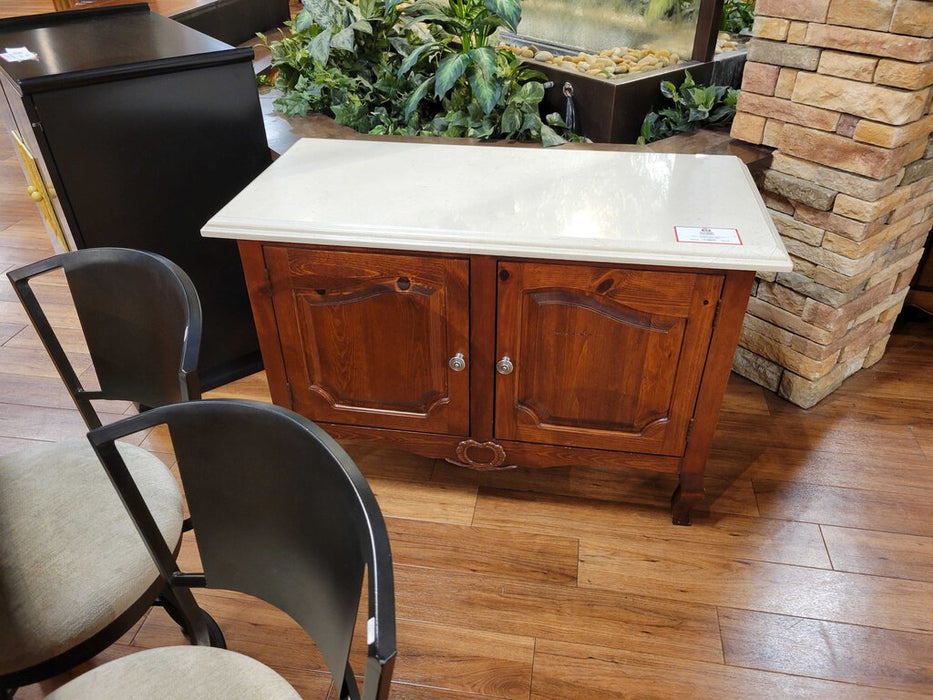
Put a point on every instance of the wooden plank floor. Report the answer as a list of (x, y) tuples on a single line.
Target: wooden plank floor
[(810, 573)]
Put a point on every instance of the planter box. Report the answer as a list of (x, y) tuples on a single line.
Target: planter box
[(613, 111)]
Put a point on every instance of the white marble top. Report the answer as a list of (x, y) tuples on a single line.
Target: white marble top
[(556, 203)]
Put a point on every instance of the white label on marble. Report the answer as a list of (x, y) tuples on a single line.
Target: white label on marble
[(19, 53), (705, 234)]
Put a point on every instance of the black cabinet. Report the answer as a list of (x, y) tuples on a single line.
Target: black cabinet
[(235, 21), (141, 129)]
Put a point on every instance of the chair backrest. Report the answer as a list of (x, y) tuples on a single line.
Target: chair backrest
[(280, 512), (141, 320)]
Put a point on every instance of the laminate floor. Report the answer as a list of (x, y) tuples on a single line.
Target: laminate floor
[(808, 573)]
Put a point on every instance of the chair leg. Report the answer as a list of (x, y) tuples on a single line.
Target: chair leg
[(216, 636)]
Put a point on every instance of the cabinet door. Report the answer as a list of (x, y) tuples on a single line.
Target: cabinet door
[(603, 358), (366, 338)]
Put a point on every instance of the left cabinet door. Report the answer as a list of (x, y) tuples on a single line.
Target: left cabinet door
[(367, 338)]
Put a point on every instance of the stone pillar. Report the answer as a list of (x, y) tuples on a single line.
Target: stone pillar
[(842, 90)]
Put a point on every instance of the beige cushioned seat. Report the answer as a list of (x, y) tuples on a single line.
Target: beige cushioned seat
[(187, 672), (71, 560)]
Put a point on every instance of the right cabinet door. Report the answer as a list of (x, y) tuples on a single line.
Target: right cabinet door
[(603, 358)]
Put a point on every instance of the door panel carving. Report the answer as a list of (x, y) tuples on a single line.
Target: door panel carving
[(603, 358), (371, 336)]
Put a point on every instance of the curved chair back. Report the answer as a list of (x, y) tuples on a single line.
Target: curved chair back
[(280, 512), (141, 320)]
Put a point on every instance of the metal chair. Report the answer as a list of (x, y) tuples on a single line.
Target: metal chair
[(281, 513), (73, 574)]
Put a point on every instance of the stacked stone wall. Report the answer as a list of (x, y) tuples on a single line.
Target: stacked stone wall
[(842, 90)]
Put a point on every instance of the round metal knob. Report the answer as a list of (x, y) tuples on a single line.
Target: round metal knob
[(505, 366), (457, 363)]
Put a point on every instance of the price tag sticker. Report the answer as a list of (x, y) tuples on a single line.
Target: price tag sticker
[(17, 54), (706, 234)]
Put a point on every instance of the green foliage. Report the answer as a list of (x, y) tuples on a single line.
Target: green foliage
[(693, 106), (737, 15), (381, 66)]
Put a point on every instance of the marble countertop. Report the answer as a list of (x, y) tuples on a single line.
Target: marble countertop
[(557, 203)]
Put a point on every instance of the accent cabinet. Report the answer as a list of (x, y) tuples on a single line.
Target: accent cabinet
[(519, 334), (494, 363)]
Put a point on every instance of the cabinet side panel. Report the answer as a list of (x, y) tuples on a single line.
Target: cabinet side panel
[(260, 297)]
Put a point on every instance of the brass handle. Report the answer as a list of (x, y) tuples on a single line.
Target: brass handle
[(34, 193), (465, 460), (457, 363), (505, 366)]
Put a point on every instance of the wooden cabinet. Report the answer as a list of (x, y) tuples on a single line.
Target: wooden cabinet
[(493, 363), (502, 307)]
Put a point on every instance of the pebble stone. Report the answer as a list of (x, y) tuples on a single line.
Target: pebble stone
[(615, 62)]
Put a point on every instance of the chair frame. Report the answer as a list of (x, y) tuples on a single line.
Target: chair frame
[(188, 388), (381, 601), (188, 378)]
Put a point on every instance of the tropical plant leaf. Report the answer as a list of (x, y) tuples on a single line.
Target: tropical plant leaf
[(531, 122), (400, 44), (449, 71), (531, 93), (511, 119), (554, 119), (720, 113), (352, 12), (486, 91), (361, 25), (421, 32), (697, 115), (485, 59), (509, 10), (412, 58), (325, 13), (303, 20), (414, 99), (344, 39), (549, 137), (669, 90), (319, 47), (672, 115)]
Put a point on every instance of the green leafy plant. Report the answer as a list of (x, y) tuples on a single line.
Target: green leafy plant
[(341, 58), (381, 66), (693, 106), (737, 16)]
